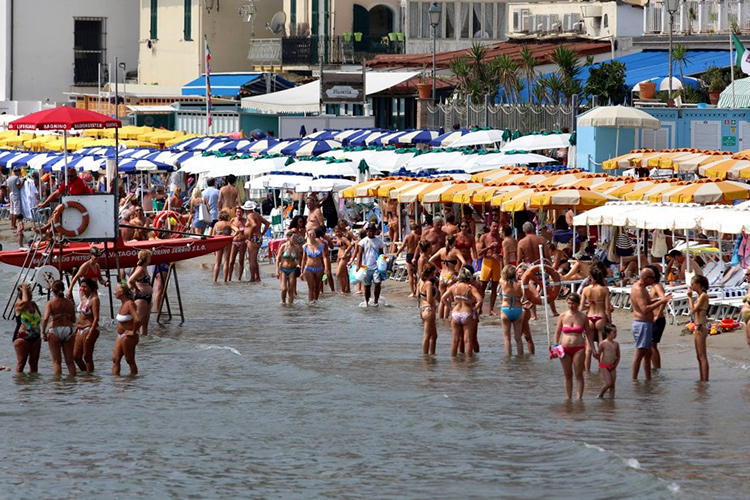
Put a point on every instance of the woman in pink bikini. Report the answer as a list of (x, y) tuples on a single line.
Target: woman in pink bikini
[(87, 330), (467, 301), (596, 303), (239, 243), (574, 335)]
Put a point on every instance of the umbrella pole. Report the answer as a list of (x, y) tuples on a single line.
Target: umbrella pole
[(687, 251), (544, 288), (638, 248), (574, 232), (65, 156)]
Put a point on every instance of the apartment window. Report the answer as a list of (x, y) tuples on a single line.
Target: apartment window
[(89, 49), (414, 19), (449, 11), (469, 19), (154, 10), (188, 20)]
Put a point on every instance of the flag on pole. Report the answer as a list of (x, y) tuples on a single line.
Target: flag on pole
[(209, 106), (743, 55)]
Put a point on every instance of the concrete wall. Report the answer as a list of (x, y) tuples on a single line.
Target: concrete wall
[(5, 50), (172, 60), (622, 20), (708, 128), (42, 42)]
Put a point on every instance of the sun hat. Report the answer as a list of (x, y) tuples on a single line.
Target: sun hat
[(249, 205)]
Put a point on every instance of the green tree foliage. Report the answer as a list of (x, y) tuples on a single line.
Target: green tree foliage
[(607, 82)]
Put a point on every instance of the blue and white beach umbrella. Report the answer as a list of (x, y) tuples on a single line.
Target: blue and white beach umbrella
[(260, 146), (662, 83), (448, 138), (314, 148), (322, 135), (347, 136), (367, 138), (418, 137), (279, 146), (231, 145), (135, 152), (139, 165), (387, 139)]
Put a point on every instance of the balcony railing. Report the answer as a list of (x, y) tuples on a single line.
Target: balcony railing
[(306, 50)]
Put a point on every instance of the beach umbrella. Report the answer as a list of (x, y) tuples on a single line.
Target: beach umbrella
[(89, 163), (490, 175), (448, 138), (205, 143), (135, 152), (98, 151), (434, 160), (360, 190), (171, 157), (365, 138), (513, 200), (229, 146), (725, 169), (342, 167), (662, 83), (129, 165), (322, 135), (618, 117), (323, 185), (494, 160), (704, 191), (535, 142), (385, 140), (278, 180), (417, 137), (704, 158), (315, 148), (647, 190), (261, 145), (478, 194), (40, 159), (348, 135), (566, 197), (412, 193), (278, 147), (479, 138)]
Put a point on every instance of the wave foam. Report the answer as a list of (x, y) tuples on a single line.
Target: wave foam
[(633, 463), (221, 347), (594, 447), (674, 488)]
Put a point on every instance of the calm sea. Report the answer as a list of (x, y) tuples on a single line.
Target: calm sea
[(252, 400)]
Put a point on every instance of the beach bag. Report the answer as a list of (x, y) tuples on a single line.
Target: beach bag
[(203, 214)]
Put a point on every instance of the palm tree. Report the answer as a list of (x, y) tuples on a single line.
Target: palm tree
[(679, 54), (568, 68), (551, 88), (528, 65), (505, 70), (459, 66)]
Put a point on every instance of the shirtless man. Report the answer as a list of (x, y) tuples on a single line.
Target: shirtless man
[(490, 249), (255, 228), (127, 233), (677, 263), (510, 247), (411, 243), (229, 195), (450, 226), (528, 253), (435, 235), (643, 320)]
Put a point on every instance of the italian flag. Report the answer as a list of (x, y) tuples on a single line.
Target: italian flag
[(743, 55)]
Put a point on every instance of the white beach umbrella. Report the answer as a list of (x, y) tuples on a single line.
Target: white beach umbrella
[(535, 142), (323, 185), (617, 117), (478, 138)]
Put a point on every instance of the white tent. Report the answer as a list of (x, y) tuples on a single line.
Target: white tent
[(533, 142), (305, 98)]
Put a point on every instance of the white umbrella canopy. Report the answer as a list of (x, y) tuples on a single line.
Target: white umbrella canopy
[(478, 138), (534, 142), (618, 117), (436, 160), (323, 185), (257, 166), (497, 160), (662, 83), (319, 168), (278, 181), (727, 220)]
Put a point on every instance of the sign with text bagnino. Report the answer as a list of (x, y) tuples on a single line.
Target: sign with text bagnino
[(342, 88)]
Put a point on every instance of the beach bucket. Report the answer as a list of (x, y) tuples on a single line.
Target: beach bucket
[(359, 275)]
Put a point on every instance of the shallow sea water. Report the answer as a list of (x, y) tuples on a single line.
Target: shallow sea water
[(249, 399)]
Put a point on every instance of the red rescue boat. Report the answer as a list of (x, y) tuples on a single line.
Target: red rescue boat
[(165, 251)]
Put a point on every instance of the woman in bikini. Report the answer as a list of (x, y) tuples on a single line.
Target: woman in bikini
[(127, 331), (466, 303), (316, 262), (239, 243), (254, 231), (423, 255), (27, 338), (59, 320), (222, 228), (297, 225), (465, 242), (196, 225), (745, 312), (89, 269), (452, 260), (427, 291), (287, 266), (596, 304), (526, 306), (511, 312), (346, 246), (87, 330), (699, 309), (573, 334), (140, 281)]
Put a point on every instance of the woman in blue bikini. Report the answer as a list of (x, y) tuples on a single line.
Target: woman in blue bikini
[(287, 266), (316, 262), (575, 335), (127, 331), (511, 312)]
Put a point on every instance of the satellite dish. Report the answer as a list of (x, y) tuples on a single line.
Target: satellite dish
[(46, 275), (277, 22)]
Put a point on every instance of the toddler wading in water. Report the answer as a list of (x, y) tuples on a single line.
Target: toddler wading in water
[(609, 358)]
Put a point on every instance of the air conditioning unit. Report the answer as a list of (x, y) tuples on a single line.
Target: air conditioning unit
[(554, 22), (533, 23), (570, 20), (543, 20), (526, 22), (519, 16)]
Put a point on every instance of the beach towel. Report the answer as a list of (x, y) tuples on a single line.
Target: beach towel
[(29, 200), (659, 244)]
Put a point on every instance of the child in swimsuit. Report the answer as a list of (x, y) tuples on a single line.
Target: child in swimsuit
[(609, 358), (699, 309)]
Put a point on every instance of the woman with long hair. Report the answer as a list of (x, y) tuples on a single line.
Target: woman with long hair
[(511, 312), (140, 281), (315, 262), (699, 309), (196, 224), (346, 248), (27, 339), (427, 292), (57, 328), (222, 228), (128, 324), (452, 260), (89, 269), (239, 243), (466, 301), (596, 302), (287, 267), (87, 330)]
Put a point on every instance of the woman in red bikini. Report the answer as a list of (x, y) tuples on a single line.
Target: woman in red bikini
[(574, 334), (465, 242), (596, 304), (89, 269), (239, 243)]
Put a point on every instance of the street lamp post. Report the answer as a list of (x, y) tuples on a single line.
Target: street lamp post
[(672, 6), (434, 12)]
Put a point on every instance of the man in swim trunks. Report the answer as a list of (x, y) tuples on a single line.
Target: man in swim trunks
[(489, 249), (435, 235), (510, 247), (229, 195), (528, 253), (410, 244), (643, 320)]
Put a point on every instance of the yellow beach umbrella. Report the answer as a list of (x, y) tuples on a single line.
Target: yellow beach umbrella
[(177, 140), (359, 190), (624, 161), (521, 200), (413, 193), (704, 191), (94, 132), (384, 189), (491, 175), (407, 186), (16, 140), (665, 160), (499, 199), (646, 191), (565, 197), (475, 194), (621, 188), (446, 196), (40, 143), (726, 169), (132, 132), (693, 164)]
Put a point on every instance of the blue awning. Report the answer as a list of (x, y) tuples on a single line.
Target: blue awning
[(655, 63), (221, 84)]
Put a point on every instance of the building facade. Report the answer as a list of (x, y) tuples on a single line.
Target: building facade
[(697, 17), (52, 47), (172, 33)]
